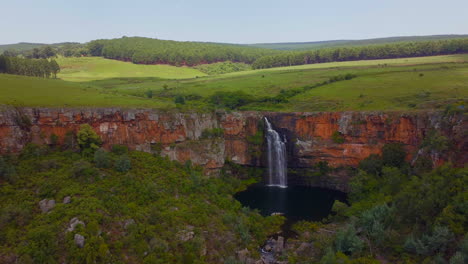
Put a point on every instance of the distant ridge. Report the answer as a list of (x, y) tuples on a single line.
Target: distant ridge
[(23, 46), (344, 42)]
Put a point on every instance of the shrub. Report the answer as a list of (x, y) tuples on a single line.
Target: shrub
[(119, 149), (375, 221), (7, 171), (179, 99), (149, 93), (70, 142), (230, 100), (429, 244), (372, 164), (123, 164), (54, 140), (83, 170), (87, 138), (435, 141), (393, 155), (102, 159), (212, 133), (347, 241), (337, 137)]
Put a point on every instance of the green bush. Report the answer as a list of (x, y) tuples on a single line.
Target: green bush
[(83, 170), (88, 138), (123, 164), (102, 158), (212, 133), (337, 137), (347, 241), (430, 244), (119, 149), (372, 164), (7, 171), (435, 141), (230, 100), (179, 99), (393, 155), (149, 93)]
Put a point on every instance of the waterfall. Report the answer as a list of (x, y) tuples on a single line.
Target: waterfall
[(277, 159)]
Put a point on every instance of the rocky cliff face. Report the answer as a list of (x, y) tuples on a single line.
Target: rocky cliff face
[(180, 135)]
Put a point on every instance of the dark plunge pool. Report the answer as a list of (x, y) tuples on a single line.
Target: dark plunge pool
[(294, 202)]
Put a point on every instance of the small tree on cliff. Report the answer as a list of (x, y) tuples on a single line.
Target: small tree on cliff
[(87, 138)]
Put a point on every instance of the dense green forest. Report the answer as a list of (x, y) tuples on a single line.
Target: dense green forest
[(401, 212), (387, 51), (155, 51), (30, 67), (129, 207)]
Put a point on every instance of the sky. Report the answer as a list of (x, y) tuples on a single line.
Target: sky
[(235, 21)]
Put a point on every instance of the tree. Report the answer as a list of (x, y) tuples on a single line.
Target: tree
[(123, 164), (55, 68), (47, 52), (102, 159), (87, 138), (393, 154)]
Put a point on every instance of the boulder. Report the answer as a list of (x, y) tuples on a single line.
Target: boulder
[(128, 223), (279, 244), (242, 255), (305, 249), (67, 199), (46, 205), (185, 235), (79, 240), (73, 223)]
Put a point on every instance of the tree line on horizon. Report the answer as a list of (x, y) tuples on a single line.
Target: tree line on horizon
[(43, 68), (154, 51), (385, 51)]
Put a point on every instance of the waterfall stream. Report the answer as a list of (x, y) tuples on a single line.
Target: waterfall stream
[(277, 159)]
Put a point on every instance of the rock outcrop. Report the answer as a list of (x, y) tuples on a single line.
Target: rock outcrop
[(180, 135)]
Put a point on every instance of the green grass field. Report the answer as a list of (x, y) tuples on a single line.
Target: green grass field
[(96, 68), (394, 84), (31, 91)]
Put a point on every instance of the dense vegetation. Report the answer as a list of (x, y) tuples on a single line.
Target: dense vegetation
[(222, 67), (155, 51), (130, 207), (397, 213), (30, 67), (387, 51)]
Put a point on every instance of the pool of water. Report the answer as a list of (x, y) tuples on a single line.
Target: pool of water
[(294, 202)]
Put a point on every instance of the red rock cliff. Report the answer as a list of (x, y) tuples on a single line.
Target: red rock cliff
[(179, 135)]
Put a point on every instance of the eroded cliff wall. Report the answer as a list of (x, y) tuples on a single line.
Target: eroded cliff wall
[(179, 135)]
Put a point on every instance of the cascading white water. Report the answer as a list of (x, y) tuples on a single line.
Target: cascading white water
[(277, 159)]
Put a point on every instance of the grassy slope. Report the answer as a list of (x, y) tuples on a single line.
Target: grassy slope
[(394, 86), (96, 68), (33, 91)]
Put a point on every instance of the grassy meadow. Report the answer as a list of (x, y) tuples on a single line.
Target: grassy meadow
[(85, 69), (393, 84)]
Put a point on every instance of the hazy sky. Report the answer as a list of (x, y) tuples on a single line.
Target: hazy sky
[(235, 21)]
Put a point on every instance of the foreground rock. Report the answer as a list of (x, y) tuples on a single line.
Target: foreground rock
[(46, 205), (79, 240)]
